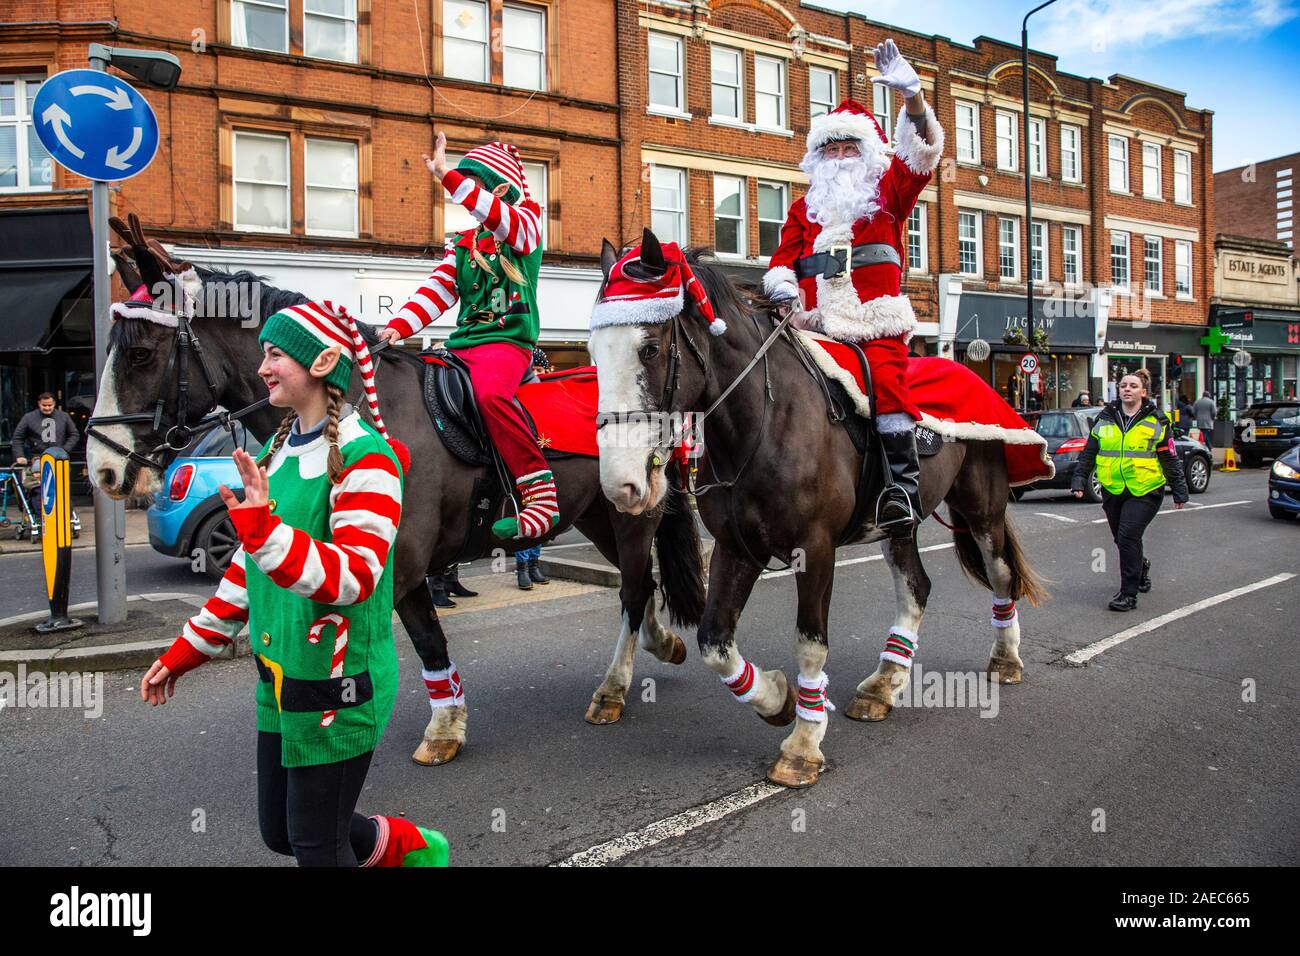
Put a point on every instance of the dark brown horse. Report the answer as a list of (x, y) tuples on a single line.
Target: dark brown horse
[(438, 488), (786, 480)]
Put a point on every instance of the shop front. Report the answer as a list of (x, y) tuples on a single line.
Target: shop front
[(1131, 346), (989, 335), (1272, 340)]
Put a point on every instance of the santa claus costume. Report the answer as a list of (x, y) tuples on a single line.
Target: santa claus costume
[(842, 254)]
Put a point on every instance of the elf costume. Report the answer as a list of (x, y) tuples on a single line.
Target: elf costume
[(841, 256), (312, 580), (497, 326)]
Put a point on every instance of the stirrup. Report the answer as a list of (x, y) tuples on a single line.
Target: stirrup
[(889, 494)]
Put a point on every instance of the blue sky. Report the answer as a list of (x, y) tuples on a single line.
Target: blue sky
[(1239, 58)]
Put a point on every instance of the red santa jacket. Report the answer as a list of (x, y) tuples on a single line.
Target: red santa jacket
[(866, 303)]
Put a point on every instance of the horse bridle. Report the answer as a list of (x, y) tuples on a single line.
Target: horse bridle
[(182, 433), (674, 435)]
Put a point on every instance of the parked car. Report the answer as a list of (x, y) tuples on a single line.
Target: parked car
[(1284, 485), (1276, 428), (1066, 431), (190, 514)]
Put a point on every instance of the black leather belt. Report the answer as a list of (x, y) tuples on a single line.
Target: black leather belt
[(831, 263)]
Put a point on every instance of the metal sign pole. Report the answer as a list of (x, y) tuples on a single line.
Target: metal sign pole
[(110, 514)]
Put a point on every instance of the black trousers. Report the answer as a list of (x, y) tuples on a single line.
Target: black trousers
[(310, 812), (1129, 516)]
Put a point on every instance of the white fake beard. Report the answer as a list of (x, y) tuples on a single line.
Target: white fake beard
[(842, 191)]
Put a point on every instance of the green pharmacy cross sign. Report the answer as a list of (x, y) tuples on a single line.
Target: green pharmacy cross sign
[(1216, 340)]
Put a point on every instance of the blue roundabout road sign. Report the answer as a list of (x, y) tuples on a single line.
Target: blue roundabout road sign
[(95, 124)]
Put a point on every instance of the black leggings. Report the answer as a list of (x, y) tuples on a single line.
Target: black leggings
[(310, 812), (1129, 516)]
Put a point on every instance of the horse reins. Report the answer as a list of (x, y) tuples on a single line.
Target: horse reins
[(182, 433)]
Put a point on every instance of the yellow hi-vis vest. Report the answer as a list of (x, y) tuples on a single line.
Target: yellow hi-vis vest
[(1129, 459)]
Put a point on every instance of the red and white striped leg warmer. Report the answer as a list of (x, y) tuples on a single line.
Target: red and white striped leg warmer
[(444, 687), (1004, 612), (744, 682), (541, 509), (813, 702), (900, 646)]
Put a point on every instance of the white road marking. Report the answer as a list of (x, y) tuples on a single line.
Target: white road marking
[(1190, 507), (1084, 654), (1048, 514), (766, 575), (677, 825)]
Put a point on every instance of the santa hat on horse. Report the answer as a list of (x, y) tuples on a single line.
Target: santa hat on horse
[(649, 285)]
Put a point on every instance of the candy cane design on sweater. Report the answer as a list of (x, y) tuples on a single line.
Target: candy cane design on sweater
[(340, 651)]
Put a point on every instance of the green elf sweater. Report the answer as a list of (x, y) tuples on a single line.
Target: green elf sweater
[(493, 308), (314, 582)]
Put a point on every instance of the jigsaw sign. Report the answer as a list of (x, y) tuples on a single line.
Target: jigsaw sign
[(95, 124)]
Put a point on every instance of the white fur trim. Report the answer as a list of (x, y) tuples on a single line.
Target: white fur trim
[(717, 327), (191, 288), (829, 127), (895, 423), (139, 310), (920, 155), (841, 315), (780, 279), (636, 311)]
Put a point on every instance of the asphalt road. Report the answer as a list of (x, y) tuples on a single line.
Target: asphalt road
[(1154, 752)]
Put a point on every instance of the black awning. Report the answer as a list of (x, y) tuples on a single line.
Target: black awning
[(29, 300), (45, 253)]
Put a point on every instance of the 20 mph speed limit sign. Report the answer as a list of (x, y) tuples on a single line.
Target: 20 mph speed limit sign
[(1029, 364)]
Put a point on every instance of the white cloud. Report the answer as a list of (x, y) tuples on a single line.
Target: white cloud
[(1103, 26)]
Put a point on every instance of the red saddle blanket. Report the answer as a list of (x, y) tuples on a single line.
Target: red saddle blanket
[(957, 403)]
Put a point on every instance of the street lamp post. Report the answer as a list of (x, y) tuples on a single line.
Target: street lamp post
[(1029, 202), (162, 71)]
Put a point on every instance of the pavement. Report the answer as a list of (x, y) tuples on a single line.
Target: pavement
[(1173, 744)]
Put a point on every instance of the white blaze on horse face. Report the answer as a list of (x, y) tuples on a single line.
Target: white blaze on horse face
[(106, 466), (625, 447)]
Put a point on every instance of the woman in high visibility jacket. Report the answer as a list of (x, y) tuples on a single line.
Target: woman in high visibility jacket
[(1132, 446)]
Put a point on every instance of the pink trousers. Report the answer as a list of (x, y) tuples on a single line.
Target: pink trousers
[(495, 369)]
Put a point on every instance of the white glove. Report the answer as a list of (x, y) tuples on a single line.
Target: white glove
[(895, 72)]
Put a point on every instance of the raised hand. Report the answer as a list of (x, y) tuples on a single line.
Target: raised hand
[(438, 164), (253, 476), (895, 71)]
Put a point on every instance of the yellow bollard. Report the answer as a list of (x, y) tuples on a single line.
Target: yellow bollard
[(1229, 460)]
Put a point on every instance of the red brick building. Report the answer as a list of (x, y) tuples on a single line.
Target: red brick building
[(1257, 200), (292, 147), (717, 99)]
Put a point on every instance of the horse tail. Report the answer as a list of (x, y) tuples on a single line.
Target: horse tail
[(1026, 583), (681, 569)]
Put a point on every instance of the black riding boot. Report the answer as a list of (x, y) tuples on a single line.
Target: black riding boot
[(535, 572), (454, 587), (899, 507), (438, 588), (1145, 584)]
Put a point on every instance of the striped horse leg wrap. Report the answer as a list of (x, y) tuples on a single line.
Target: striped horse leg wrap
[(744, 682), (1004, 612), (813, 702), (900, 646), (444, 687)]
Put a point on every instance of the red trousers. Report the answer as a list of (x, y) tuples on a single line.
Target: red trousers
[(888, 361), (496, 369)]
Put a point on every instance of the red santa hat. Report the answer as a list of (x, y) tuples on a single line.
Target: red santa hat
[(649, 285), (849, 120)]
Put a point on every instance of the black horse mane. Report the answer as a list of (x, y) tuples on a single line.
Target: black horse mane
[(731, 298)]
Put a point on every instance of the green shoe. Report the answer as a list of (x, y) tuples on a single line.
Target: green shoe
[(507, 529), (435, 852)]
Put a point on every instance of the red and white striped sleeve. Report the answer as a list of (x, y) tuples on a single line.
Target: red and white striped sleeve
[(365, 509), (216, 625), (520, 227), (435, 296)]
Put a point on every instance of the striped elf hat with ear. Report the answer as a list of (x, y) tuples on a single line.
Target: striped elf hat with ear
[(304, 331), (497, 163)]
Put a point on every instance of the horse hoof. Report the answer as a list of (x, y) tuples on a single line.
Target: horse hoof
[(785, 716), (431, 753), (607, 710), (679, 651), (794, 772), (1008, 672), (868, 709)]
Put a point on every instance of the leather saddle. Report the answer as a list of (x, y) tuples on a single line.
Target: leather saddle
[(449, 400), (862, 432)]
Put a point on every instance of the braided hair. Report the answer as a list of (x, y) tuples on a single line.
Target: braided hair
[(334, 464)]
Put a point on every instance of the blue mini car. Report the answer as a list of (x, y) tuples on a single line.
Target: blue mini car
[(1284, 485), (188, 519)]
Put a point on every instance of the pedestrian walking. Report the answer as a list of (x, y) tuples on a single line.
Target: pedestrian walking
[(1186, 415), (316, 527), (1132, 446), (1082, 401), (1205, 411)]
